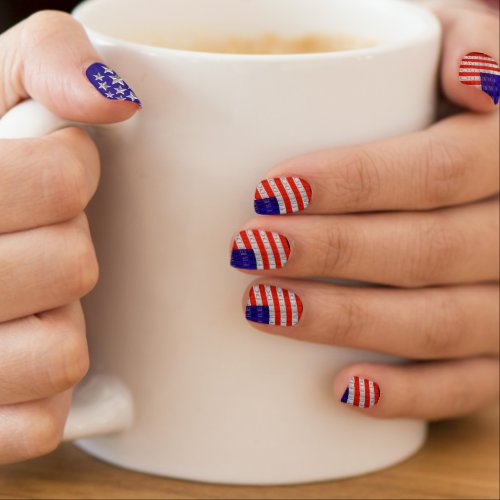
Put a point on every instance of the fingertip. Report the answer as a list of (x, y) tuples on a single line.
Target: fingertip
[(460, 92), (470, 73), (101, 111), (105, 100), (110, 85), (476, 100), (339, 385), (471, 98), (62, 70), (357, 386)]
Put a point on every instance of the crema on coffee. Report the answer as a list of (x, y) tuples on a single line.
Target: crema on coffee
[(267, 43)]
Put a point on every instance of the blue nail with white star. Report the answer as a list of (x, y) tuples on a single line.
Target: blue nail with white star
[(110, 85)]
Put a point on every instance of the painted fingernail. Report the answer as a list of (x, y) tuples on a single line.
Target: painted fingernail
[(257, 249), (282, 195), (272, 305), (481, 71), (361, 392), (109, 84)]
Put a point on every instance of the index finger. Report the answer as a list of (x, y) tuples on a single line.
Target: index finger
[(470, 73), (454, 161), (46, 180)]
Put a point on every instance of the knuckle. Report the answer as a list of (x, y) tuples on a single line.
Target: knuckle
[(488, 24), (348, 323), (64, 184), (38, 30), (44, 432), (41, 24), (444, 329), (435, 247), (458, 400), (28, 149), (336, 248), (47, 16), (70, 358), (444, 170), (81, 270), (356, 177)]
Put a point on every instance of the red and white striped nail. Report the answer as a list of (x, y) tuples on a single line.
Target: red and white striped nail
[(481, 71), (272, 305), (257, 249), (282, 195), (361, 392)]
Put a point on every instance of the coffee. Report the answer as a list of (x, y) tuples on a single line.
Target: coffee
[(268, 43)]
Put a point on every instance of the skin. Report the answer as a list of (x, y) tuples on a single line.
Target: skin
[(420, 215), (47, 260), (434, 222)]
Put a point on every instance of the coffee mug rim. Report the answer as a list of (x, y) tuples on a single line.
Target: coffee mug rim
[(364, 52)]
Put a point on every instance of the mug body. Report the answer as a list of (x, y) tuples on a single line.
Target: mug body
[(215, 400)]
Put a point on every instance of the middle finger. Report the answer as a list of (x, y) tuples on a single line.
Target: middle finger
[(45, 268), (447, 246)]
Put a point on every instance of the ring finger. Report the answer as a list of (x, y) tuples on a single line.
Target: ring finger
[(427, 323), (45, 268)]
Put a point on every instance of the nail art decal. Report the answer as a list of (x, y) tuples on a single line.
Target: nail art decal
[(282, 195), (110, 84), (481, 71), (361, 392), (272, 305), (257, 249)]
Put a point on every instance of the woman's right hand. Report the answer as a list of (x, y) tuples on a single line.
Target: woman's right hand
[(47, 260)]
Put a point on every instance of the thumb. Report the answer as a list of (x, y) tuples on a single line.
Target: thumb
[(470, 72), (49, 58)]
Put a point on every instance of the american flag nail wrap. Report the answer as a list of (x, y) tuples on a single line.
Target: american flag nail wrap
[(272, 305), (282, 195), (109, 84), (257, 249), (361, 392), (481, 71)]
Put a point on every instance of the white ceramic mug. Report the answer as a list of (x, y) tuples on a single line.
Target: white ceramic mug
[(191, 390)]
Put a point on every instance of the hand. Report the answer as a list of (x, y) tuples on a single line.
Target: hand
[(418, 213), (47, 260)]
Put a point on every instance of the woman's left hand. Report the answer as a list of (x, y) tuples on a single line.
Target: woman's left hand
[(419, 213)]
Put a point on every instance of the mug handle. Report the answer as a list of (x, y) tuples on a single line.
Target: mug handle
[(102, 404)]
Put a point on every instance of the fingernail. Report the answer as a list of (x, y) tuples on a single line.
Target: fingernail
[(257, 249), (272, 305), (361, 392), (481, 71), (282, 195), (109, 84)]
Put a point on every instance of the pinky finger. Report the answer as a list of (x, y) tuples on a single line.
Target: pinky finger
[(426, 390), (32, 429)]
